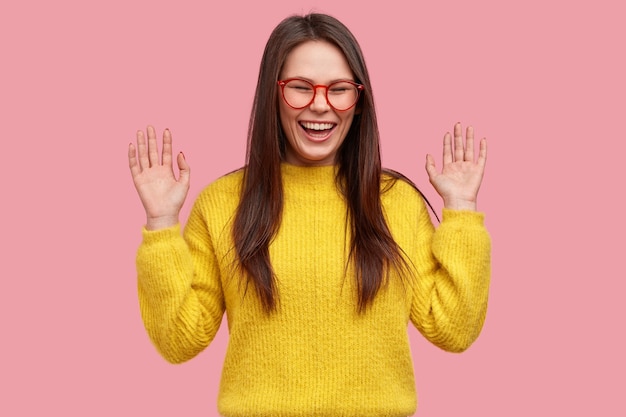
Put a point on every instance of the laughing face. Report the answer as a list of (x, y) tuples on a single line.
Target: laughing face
[(315, 132)]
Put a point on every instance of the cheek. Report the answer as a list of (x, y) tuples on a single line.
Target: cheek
[(288, 118), (288, 130), (347, 122), (284, 115)]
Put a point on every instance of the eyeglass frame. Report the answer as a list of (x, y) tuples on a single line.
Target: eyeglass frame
[(359, 88)]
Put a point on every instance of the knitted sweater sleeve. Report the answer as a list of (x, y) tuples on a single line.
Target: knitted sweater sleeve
[(180, 294), (451, 284)]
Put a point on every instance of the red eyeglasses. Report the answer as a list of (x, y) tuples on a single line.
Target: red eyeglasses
[(340, 95)]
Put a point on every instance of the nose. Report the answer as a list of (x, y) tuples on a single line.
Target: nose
[(319, 103)]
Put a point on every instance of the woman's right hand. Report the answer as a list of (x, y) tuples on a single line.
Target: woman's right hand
[(161, 194)]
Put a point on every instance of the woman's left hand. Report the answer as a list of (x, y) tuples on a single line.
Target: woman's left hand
[(459, 180)]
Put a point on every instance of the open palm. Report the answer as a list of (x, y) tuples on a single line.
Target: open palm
[(460, 178), (161, 193)]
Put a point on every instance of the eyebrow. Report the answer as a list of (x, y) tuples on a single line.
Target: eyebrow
[(312, 82)]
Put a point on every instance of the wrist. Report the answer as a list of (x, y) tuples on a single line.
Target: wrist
[(162, 222), (459, 204)]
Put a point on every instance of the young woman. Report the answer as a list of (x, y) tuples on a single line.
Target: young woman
[(318, 256)]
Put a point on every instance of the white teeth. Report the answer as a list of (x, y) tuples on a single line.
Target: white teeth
[(317, 126)]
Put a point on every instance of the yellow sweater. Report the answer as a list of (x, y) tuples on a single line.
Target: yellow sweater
[(316, 356)]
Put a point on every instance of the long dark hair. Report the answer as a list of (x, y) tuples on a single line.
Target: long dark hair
[(372, 248)]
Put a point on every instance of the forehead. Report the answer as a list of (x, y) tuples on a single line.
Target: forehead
[(318, 61)]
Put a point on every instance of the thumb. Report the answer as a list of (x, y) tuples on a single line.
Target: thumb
[(184, 168), (431, 170)]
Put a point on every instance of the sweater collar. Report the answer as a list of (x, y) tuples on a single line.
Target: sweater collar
[(307, 175)]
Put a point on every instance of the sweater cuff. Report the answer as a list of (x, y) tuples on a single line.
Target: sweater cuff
[(155, 237), (469, 217)]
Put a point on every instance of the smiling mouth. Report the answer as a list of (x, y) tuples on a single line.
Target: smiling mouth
[(318, 130)]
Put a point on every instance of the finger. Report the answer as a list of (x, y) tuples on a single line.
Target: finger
[(167, 148), (133, 164), (447, 149), (142, 150), (153, 151), (184, 168), (458, 143), (469, 144)]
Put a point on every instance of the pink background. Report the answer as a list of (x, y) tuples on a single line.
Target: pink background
[(542, 80)]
